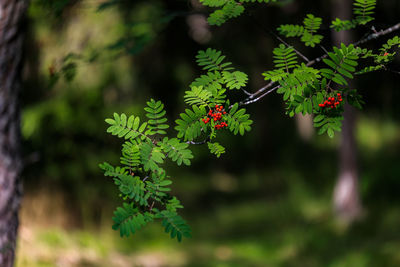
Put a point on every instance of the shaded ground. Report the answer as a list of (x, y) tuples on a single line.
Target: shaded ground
[(279, 217)]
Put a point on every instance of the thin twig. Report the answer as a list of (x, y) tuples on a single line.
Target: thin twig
[(378, 34), (277, 37), (294, 49), (393, 71), (199, 143), (261, 96), (246, 92), (152, 205), (323, 48)]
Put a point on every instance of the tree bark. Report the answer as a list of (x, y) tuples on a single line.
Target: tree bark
[(346, 196), (11, 38)]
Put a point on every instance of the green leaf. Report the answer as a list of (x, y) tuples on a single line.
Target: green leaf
[(235, 80), (238, 121), (129, 220), (175, 225), (177, 151), (216, 149), (198, 96), (121, 128), (151, 156), (189, 126), (211, 60)]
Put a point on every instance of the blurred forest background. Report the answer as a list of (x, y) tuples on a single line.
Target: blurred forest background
[(266, 202)]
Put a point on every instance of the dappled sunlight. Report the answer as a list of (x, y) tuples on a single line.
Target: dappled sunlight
[(377, 133)]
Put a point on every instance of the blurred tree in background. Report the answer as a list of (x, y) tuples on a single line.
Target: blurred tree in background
[(11, 38), (86, 59)]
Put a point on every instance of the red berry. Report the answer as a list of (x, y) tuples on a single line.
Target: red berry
[(386, 53)]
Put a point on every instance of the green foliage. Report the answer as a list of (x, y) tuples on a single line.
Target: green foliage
[(340, 25), (213, 3), (174, 204), (295, 82), (291, 76), (130, 155), (284, 58), (216, 149), (174, 224), (311, 40), (304, 88), (395, 41), (235, 80), (328, 124), (220, 76), (157, 187), (210, 90), (290, 30), (307, 32), (198, 96), (188, 126), (355, 99), (259, 1), (385, 55), (342, 63), (212, 81), (238, 120), (129, 128), (130, 186), (369, 69), (312, 23), (155, 113), (364, 9), (228, 9), (211, 60), (177, 150), (141, 179), (129, 220), (151, 156)]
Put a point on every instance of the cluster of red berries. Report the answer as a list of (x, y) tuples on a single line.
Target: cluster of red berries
[(332, 102), (216, 115)]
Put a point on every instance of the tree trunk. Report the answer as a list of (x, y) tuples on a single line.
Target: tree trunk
[(346, 197), (11, 14)]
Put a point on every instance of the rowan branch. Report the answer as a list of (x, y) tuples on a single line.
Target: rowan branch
[(260, 93)]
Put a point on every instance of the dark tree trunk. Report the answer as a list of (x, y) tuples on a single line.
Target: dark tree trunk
[(346, 199), (11, 14)]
